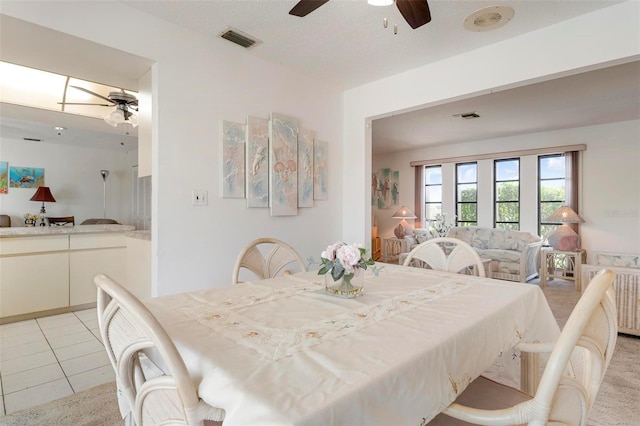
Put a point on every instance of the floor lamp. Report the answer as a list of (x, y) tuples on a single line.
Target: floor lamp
[(105, 174)]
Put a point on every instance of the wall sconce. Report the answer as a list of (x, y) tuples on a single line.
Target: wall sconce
[(403, 229), (564, 238), (43, 194)]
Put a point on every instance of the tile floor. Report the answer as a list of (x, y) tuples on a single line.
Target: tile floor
[(50, 357)]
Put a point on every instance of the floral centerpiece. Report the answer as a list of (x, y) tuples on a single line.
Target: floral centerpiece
[(344, 263), (30, 219), (439, 226)]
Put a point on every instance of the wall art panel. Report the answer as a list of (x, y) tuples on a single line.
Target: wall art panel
[(233, 147), (257, 162), (283, 157), (305, 168), (4, 177), (321, 170), (25, 177)]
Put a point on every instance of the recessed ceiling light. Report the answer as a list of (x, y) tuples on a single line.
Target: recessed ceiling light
[(488, 18)]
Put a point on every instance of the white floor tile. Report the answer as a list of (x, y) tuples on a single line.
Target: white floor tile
[(87, 314), (79, 349), (61, 331), (23, 350), (58, 320), (85, 363), (21, 339), (17, 328), (91, 378), (92, 323), (37, 395), (30, 378), (96, 332), (27, 362), (70, 339)]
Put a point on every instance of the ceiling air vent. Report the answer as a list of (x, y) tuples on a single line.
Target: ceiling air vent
[(468, 115), (32, 139), (240, 38)]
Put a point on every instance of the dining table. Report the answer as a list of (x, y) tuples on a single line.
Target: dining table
[(282, 351)]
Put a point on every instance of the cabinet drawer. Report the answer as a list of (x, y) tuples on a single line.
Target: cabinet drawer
[(95, 241), (21, 245)]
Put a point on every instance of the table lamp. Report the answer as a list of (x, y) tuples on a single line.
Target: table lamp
[(564, 238), (403, 229), (43, 194)]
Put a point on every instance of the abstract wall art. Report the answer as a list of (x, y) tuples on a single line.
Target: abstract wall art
[(283, 167), (257, 162), (321, 170), (305, 168), (384, 188), (233, 172)]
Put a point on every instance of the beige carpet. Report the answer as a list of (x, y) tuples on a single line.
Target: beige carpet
[(97, 406), (617, 404)]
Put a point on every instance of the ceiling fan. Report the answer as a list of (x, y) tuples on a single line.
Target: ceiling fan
[(124, 103), (415, 12)]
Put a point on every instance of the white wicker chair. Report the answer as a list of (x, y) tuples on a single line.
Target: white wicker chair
[(129, 332), (280, 255), (446, 254), (570, 380)]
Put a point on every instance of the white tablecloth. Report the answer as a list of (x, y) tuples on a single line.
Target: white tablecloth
[(283, 352)]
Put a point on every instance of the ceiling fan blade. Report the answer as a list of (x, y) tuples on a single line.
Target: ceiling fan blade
[(305, 7), (83, 103), (415, 12), (94, 94)]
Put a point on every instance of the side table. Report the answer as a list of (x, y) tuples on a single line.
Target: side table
[(562, 264), (392, 247)]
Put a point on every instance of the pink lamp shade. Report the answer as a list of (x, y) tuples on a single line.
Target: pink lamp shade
[(403, 229), (564, 238)]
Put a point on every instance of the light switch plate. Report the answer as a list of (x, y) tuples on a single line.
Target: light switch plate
[(199, 197)]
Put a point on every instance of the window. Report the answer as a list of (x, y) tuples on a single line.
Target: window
[(551, 190), (507, 194), (467, 194), (432, 192)]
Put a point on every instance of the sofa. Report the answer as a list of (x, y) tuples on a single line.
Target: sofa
[(626, 286), (513, 254)]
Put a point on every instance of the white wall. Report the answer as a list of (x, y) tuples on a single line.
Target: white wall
[(595, 40), (609, 195), (197, 83), (73, 175)]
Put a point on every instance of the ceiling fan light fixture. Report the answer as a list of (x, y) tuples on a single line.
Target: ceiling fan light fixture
[(380, 2), (132, 119), (115, 117)]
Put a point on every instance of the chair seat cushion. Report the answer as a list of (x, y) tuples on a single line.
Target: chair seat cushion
[(486, 394)]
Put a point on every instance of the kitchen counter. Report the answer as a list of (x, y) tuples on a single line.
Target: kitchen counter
[(139, 235), (26, 231)]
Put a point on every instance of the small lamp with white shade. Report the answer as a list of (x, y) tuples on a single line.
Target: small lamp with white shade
[(403, 229), (564, 238)]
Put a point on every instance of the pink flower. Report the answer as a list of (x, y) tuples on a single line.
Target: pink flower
[(330, 253), (349, 256)]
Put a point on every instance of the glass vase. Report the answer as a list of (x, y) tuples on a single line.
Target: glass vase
[(349, 286)]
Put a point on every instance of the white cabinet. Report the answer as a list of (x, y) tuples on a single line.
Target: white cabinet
[(34, 274), (44, 272), (90, 255)]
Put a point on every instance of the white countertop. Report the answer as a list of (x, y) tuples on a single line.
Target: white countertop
[(140, 235), (25, 231)]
